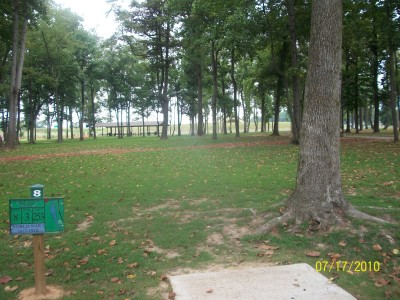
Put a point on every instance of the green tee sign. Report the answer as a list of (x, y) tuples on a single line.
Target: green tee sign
[(36, 215)]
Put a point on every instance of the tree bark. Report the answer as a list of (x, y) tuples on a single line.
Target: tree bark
[(235, 101), (375, 68), (392, 73), (318, 193), (200, 127), (18, 56), (296, 116), (214, 59), (81, 138)]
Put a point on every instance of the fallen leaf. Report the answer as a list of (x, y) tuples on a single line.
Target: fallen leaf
[(20, 278), (334, 256), (116, 280), (49, 273), (163, 277), (342, 243), (101, 251), (122, 291), (131, 276), (313, 253), (11, 289), (395, 251), (131, 266), (209, 291), (389, 183), (120, 260), (5, 279), (153, 273), (113, 243), (171, 296), (377, 247), (381, 282)]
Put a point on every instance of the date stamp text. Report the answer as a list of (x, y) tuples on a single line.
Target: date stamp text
[(347, 266)]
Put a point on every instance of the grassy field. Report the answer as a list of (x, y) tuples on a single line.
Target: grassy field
[(137, 209)]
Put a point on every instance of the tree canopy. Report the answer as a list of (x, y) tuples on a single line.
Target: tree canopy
[(234, 61)]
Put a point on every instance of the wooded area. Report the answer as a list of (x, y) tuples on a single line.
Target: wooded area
[(214, 57)]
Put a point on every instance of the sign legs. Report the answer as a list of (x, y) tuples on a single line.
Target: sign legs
[(38, 253)]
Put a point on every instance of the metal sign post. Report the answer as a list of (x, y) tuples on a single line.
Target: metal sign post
[(37, 216)]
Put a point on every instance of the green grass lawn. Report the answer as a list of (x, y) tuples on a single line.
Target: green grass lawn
[(137, 209)]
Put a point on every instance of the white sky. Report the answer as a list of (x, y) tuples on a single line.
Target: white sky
[(94, 13)]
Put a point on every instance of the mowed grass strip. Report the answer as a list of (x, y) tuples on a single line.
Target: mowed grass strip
[(137, 209)]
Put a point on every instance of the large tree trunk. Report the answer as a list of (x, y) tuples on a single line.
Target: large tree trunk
[(18, 56), (318, 193)]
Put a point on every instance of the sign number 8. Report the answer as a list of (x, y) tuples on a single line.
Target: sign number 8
[(37, 193)]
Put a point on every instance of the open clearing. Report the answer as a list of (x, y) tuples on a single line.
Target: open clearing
[(139, 210)]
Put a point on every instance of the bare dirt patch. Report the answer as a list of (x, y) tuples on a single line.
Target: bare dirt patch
[(84, 225), (52, 292)]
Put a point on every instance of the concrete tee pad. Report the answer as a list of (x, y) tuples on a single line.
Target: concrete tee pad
[(298, 281)]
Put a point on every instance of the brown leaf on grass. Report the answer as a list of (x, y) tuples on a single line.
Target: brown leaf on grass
[(49, 273), (120, 261), (313, 253), (153, 273), (334, 256), (101, 251), (11, 288), (84, 261), (131, 266), (395, 251), (116, 280), (380, 282), (113, 243), (122, 292), (5, 279), (342, 243), (377, 247), (20, 278), (389, 183), (163, 277)]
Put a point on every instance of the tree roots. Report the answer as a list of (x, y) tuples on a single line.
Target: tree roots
[(351, 211)]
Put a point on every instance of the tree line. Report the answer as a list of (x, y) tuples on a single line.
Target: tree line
[(214, 57)]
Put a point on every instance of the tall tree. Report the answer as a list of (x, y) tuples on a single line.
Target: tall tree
[(318, 195), (24, 12), (391, 69), (153, 22), (296, 115)]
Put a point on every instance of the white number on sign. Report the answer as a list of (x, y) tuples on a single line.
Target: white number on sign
[(37, 193)]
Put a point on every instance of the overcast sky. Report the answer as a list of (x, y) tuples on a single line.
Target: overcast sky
[(94, 13)]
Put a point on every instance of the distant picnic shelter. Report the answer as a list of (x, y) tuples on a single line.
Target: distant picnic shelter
[(131, 128)]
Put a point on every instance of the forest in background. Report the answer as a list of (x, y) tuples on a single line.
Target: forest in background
[(213, 58)]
